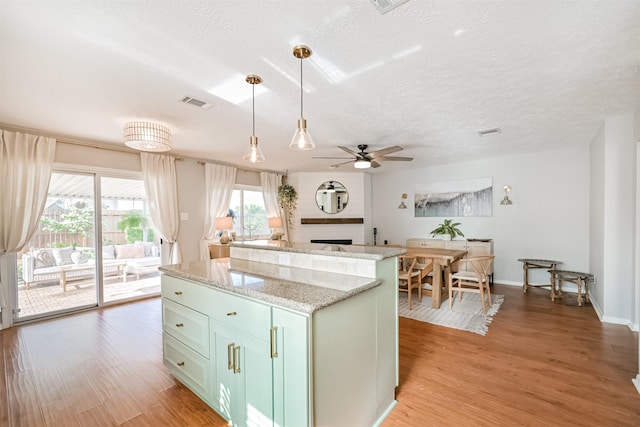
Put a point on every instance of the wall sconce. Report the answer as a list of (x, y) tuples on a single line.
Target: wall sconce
[(506, 200), (402, 205)]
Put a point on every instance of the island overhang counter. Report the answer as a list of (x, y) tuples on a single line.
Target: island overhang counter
[(264, 341)]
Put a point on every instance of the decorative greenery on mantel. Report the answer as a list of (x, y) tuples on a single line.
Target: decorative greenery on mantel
[(288, 201)]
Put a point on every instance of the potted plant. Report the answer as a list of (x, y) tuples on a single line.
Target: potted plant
[(448, 229), (288, 201)]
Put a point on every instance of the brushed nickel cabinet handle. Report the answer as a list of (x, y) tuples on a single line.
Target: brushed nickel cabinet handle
[(229, 351), (274, 347), (178, 292), (236, 359), (180, 363), (179, 325), (232, 313)]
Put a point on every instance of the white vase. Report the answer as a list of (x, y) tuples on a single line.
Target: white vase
[(446, 237)]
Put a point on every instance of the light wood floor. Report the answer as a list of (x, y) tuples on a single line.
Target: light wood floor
[(541, 364)]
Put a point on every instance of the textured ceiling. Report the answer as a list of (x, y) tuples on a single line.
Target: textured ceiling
[(426, 76)]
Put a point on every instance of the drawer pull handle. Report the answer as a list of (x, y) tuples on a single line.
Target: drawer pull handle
[(179, 325), (180, 363), (178, 292), (229, 351), (274, 347), (236, 359), (233, 313)]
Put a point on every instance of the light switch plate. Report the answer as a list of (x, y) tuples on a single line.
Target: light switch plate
[(184, 216)]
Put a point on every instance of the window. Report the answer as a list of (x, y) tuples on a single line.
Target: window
[(250, 218)]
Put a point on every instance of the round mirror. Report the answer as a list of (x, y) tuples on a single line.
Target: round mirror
[(332, 197)]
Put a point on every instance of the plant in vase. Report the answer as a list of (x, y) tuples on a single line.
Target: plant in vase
[(448, 229)]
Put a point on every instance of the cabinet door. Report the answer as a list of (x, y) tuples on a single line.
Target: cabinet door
[(254, 382), (243, 377), (291, 396)]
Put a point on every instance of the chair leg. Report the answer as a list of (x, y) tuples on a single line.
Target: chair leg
[(489, 293), (450, 296), (484, 308)]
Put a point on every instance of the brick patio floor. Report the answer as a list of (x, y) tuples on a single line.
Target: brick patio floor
[(48, 296)]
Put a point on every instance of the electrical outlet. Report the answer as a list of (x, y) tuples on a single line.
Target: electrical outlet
[(284, 259)]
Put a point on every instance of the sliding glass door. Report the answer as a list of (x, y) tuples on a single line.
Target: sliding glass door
[(57, 268), (64, 268)]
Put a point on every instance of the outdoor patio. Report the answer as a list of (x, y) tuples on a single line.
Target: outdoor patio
[(48, 296)]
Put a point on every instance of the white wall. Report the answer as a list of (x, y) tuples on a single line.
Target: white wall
[(618, 283), (596, 226), (358, 186), (191, 190), (549, 217)]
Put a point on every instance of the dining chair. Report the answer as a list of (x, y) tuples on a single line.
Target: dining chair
[(474, 277), (409, 274)]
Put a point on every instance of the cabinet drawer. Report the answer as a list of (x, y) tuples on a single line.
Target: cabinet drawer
[(251, 317), (186, 325), (186, 293), (187, 365)]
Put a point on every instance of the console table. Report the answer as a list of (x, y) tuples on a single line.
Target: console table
[(532, 263)]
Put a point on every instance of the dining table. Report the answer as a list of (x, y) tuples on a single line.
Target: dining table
[(442, 261)]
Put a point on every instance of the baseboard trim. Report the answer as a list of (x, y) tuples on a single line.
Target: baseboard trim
[(636, 382)]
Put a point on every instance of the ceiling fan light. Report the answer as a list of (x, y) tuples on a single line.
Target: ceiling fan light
[(253, 153), (301, 139), (362, 164)]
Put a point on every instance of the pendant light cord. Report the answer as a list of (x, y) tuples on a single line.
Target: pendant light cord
[(253, 107), (301, 113)]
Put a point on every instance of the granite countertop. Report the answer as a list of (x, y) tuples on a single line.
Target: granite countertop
[(376, 253), (294, 288)]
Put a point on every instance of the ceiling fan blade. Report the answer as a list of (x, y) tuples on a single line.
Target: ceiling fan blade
[(340, 164), (335, 158), (388, 150), (395, 158), (375, 164), (348, 150)]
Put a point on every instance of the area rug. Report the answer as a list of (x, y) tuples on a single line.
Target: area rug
[(466, 315)]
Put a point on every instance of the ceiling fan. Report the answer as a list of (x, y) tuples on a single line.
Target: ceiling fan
[(363, 160)]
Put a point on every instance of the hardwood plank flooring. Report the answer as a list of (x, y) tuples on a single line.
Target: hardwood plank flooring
[(541, 364)]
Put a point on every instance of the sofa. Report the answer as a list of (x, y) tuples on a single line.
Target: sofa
[(64, 264)]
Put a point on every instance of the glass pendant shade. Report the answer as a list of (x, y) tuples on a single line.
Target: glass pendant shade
[(301, 139), (253, 153), (362, 164)]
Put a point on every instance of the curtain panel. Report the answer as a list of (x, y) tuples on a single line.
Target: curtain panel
[(219, 182), (270, 182), (159, 173)]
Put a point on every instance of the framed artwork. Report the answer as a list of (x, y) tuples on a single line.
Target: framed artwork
[(464, 197)]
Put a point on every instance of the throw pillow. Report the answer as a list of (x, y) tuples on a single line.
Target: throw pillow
[(63, 255), (43, 258), (131, 252), (108, 252), (147, 247)]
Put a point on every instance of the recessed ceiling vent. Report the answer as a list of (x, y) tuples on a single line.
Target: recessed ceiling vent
[(488, 132), (196, 102), (384, 6)]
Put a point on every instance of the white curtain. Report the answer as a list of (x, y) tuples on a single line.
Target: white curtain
[(25, 170), (159, 174), (219, 182), (270, 182)]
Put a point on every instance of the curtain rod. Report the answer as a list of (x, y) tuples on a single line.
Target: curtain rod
[(124, 149)]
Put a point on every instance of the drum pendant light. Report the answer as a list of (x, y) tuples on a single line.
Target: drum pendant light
[(301, 139), (253, 153)]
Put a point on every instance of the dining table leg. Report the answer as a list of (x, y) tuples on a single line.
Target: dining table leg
[(436, 293)]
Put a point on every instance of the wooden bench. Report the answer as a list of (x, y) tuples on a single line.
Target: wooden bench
[(532, 263), (580, 279)]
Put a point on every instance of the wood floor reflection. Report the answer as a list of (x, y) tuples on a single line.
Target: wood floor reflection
[(541, 364)]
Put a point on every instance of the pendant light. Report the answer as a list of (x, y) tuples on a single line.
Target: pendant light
[(253, 153), (301, 139)]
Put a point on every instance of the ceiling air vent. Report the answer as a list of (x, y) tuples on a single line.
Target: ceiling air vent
[(488, 132), (384, 6), (196, 102)]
